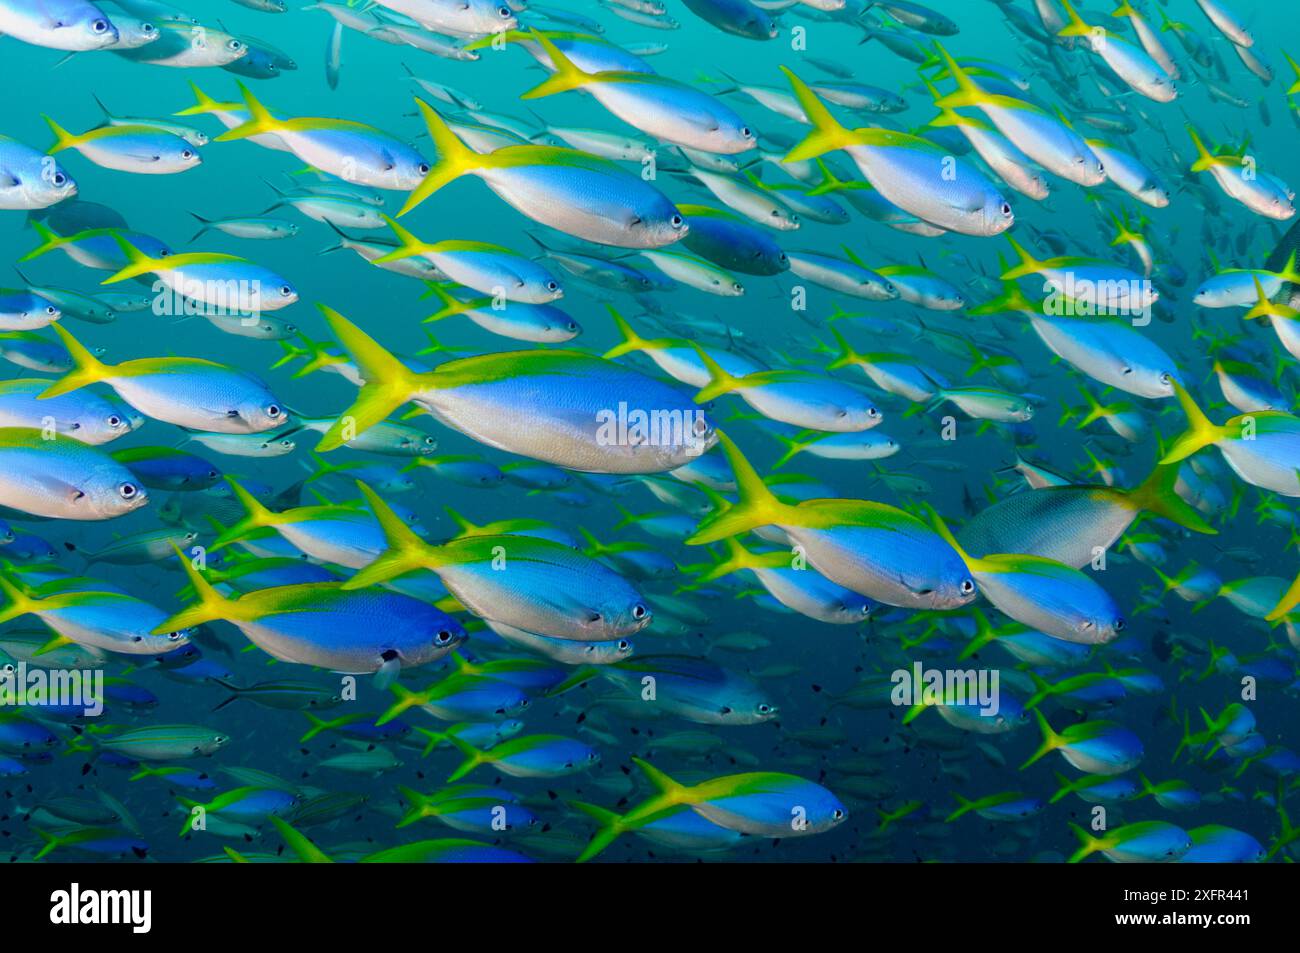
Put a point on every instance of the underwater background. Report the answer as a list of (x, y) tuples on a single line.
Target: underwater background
[(1183, 653)]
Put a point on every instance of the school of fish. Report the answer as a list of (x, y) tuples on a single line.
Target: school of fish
[(692, 394)]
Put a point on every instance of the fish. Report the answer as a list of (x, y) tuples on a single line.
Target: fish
[(575, 192), (577, 431), (63, 478), (188, 392)]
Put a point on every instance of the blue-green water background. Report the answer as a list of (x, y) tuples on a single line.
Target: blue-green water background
[(375, 89)]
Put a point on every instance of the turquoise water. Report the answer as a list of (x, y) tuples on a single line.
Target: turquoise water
[(861, 752)]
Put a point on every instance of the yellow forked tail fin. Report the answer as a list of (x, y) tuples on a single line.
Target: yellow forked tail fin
[(451, 305), (473, 758), (658, 780), (757, 505), (566, 75), (1200, 433), (1290, 599), (404, 551), (62, 138), (388, 382), (86, 368), (1204, 158), (419, 806), (209, 606), (204, 104), (50, 240), (256, 516), (137, 262), (847, 357), (410, 245), (631, 340), (968, 92), (18, 603), (738, 558), (1076, 26), (1294, 87), (1088, 845), (827, 134), (720, 382), (1029, 265), (455, 159), (946, 534), (1051, 740), (1156, 495), (610, 827), (260, 121)]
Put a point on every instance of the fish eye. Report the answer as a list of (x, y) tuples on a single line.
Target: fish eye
[(443, 637), (175, 636), (187, 154), (51, 310), (837, 814), (1165, 378), (552, 286), (746, 132), (504, 12), (422, 168), (967, 586), (147, 29), (572, 326), (1119, 624), (273, 411), (677, 221), (624, 645), (700, 427), (128, 491), (639, 611), (114, 421), (1006, 208), (872, 413), (99, 26), (286, 291), (234, 46), (764, 708), (59, 179)]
